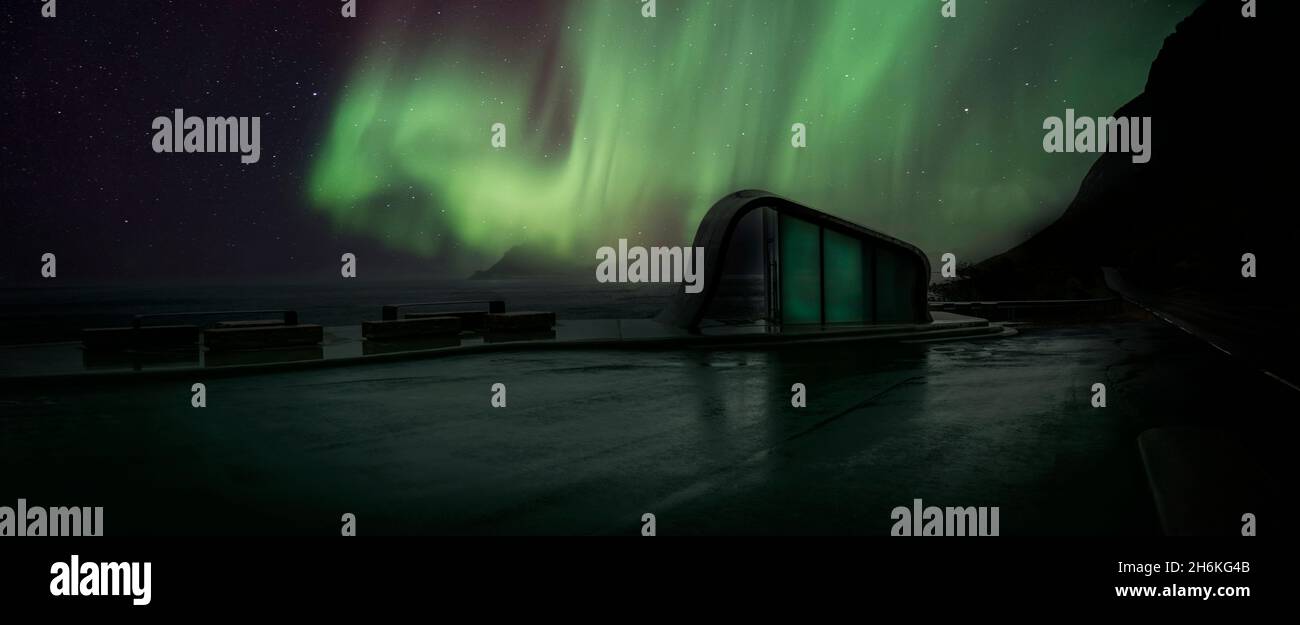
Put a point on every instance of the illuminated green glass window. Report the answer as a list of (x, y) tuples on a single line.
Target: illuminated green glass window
[(830, 277), (846, 292), (800, 271), (895, 277)]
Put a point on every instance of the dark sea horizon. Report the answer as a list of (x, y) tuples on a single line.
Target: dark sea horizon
[(58, 313)]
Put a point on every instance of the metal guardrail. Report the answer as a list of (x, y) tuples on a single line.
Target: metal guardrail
[(290, 316), (389, 311)]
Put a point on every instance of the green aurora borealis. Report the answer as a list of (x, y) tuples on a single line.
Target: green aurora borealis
[(926, 128)]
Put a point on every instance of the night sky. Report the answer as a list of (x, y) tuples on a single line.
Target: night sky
[(375, 130)]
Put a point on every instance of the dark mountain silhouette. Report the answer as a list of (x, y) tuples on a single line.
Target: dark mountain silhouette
[(1209, 194), (526, 261), (1171, 234)]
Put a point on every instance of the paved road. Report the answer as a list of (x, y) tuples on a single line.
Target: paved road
[(1261, 336), (589, 441)]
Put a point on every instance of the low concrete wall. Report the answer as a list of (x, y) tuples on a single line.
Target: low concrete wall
[(249, 323), (410, 327), (263, 337), (1031, 310)]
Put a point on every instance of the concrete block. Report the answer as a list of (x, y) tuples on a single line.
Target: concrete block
[(146, 337), (473, 320)]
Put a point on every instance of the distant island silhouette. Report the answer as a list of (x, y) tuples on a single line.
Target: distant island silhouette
[(529, 261)]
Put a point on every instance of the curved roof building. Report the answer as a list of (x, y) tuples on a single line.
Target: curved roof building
[(768, 258)]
